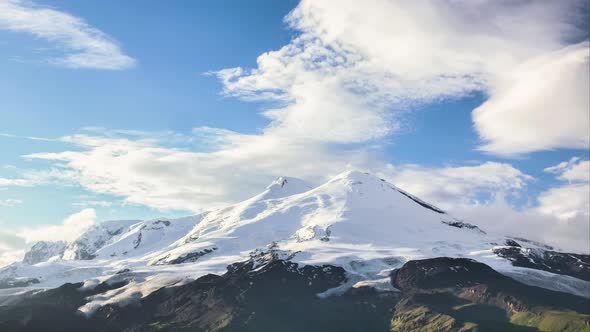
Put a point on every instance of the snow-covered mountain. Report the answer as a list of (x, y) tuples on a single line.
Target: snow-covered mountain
[(355, 221), (44, 251), (87, 244)]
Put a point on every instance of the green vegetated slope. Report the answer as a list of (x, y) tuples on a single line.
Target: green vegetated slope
[(473, 297)]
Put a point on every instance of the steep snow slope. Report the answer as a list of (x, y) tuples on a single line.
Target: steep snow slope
[(146, 237), (353, 216), (89, 242), (356, 221), (43, 251), (282, 187)]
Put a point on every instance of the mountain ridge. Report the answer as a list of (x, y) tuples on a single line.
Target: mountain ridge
[(354, 221)]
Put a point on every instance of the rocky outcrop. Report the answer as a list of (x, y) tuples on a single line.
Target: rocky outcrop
[(456, 294), (575, 265), (443, 272), (86, 246), (43, 251)]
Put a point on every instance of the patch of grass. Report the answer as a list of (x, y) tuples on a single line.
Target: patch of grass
[(161, 325), (553, 320), (469, 327), (440, 308), (422, 319)]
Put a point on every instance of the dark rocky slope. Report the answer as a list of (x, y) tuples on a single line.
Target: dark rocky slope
[(575, 265), (440, 294), (453, 294)]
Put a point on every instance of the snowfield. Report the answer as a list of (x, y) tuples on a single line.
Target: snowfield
[(356, 221)]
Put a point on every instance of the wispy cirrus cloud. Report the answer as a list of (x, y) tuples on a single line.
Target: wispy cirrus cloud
[(85, 46), (93, 203), (35, 177), (5, 182), (573, 170), (10, 202), (145, 171)]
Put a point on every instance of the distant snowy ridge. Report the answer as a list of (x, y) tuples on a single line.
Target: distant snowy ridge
[(356, 221), (85, 246), (44, 251)]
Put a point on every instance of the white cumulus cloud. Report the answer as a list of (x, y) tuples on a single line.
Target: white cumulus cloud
[(15, 240), (451, 187), (570, 200), (567, 201), (9, 254), (354, 69), (541, 104), (68, 230), (500, 218)]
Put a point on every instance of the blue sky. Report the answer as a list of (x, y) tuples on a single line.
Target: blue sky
[(180, 90), (167, 90)]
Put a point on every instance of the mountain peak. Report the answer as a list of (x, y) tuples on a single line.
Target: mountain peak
[(285, 186), (354, 175), (281, 181), (375, 185)]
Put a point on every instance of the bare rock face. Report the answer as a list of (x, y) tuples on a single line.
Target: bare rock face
[(43, 251), (575, 265), (443, 272)]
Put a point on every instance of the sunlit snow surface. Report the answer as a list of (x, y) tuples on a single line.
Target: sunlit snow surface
[(356, 221)]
